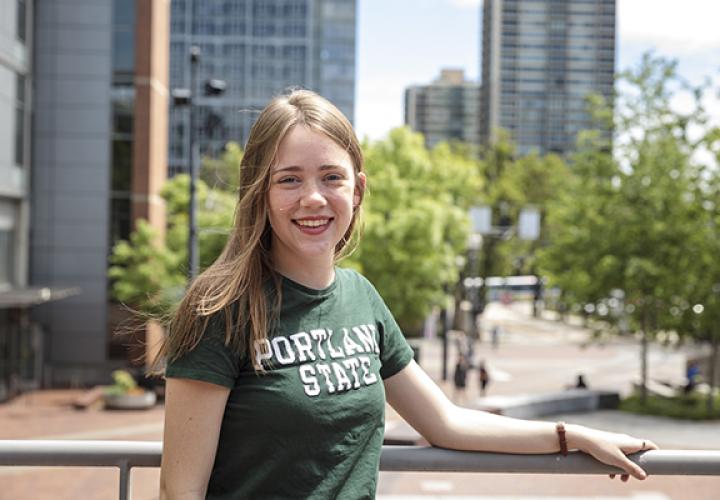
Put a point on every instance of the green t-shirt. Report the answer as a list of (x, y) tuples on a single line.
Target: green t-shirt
[(312, 425)]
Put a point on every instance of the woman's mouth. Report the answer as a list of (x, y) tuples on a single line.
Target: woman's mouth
[(313, 226)]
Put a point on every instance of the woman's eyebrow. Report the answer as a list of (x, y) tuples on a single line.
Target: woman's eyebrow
[(296, 168), (291, 168)]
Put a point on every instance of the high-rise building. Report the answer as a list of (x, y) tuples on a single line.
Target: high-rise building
[(260, 48), (447, 109), (99, 157), (540, 59)]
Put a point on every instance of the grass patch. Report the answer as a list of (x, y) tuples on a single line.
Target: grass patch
[(690, 407)]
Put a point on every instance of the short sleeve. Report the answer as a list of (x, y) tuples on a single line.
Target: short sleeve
[(211, 361), (395, 352)]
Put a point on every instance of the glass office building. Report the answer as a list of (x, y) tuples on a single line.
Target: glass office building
[(540, 59), (260, 48)]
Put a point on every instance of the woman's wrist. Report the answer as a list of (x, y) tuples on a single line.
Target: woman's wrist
[(576, 436)]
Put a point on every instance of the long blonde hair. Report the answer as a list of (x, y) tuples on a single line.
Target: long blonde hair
[(241, 274)]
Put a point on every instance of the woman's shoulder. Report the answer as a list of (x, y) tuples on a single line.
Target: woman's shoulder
[(350, 276)]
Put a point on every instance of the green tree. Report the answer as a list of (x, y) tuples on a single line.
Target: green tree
[(149, 274), (631, 222), (702, 320), (416, 221), (223, 173), (144, 272), (515, 182)]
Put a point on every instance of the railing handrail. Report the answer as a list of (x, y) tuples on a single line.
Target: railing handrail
[(393, 458), (128, 454)]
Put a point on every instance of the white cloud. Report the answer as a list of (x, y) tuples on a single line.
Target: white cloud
[(466, 4), (671, 27)]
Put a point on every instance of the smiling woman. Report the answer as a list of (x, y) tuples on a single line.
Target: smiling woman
[(280, 363)]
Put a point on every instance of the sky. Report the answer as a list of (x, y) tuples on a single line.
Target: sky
[(408, 42)]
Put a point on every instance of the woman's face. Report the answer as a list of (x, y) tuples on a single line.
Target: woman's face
[(313, 191)]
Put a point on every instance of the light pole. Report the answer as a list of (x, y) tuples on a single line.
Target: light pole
[(186, 97), (192, 167)]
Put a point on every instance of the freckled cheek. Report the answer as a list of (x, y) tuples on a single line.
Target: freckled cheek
[(344, 196), (281, 204)]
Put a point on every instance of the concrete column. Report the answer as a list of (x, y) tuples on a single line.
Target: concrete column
[(150, 132)]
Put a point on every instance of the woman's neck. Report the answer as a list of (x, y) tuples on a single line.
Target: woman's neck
[(312, 275)]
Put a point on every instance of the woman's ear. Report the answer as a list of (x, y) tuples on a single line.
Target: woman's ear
[(360, 183)]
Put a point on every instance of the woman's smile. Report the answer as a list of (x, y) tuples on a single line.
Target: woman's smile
[(313, 225)]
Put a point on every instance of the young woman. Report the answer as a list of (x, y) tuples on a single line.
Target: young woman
[(280, 363)]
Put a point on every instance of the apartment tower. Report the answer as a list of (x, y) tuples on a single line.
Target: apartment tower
[(540, 59), (445, 110)]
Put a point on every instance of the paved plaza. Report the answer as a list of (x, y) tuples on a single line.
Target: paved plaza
[(534, 355)]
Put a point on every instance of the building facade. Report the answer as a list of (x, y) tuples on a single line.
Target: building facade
[(539, 60), (99, 158), (445, 110), (15, 112), (260, 48)]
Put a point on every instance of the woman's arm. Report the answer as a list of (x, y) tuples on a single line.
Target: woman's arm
[(424, 406), (193, 414)]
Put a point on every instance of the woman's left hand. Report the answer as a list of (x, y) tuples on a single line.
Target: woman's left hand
[(610, 448)]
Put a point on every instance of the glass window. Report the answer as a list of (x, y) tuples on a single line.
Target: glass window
[(7, 243), (21, 21), (20, 120), (123, 118), (121, 165), (124, 12), (123, 50), (120, 224)]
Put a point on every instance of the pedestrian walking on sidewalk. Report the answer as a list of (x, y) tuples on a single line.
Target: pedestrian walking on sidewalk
[(280, 363), (460, 379), (483, 377), (495, 336)]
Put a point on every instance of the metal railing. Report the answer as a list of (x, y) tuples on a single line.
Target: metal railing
[(128, 454)]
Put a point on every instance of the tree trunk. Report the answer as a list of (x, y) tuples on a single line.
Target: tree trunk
[(713, 371), (643, 356)]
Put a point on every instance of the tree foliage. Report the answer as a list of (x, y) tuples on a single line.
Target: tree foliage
[(149, 274), (416, 221), (513, 183), (639, 222)]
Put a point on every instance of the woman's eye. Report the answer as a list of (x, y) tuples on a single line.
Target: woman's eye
[(334, 177), (287, 180)]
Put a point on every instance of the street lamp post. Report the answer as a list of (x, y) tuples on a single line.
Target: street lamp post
[(186, 97), (192, 167)]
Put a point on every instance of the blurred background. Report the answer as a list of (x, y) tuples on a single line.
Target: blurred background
[(543, 175)]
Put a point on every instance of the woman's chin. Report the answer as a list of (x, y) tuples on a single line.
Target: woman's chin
[(316, 251)]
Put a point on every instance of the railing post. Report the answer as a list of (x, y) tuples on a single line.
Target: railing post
[(124, 480)]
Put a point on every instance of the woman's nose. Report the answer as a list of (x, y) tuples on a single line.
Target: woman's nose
[(312, 195)]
